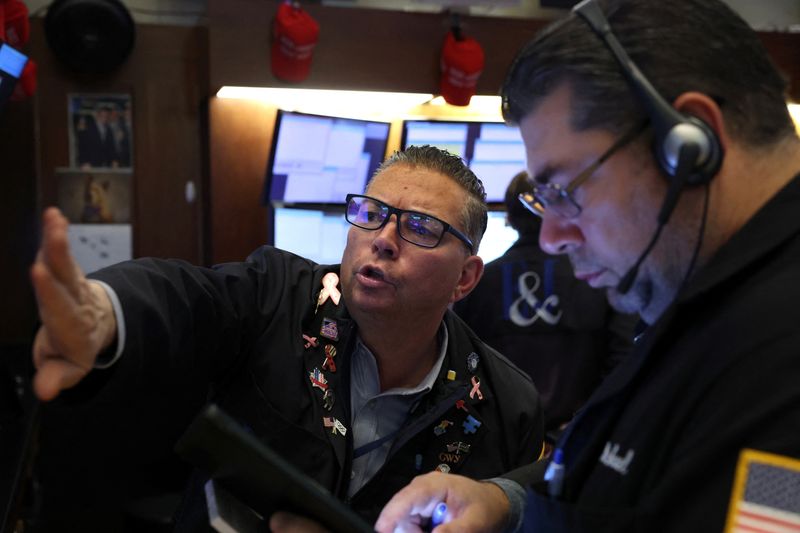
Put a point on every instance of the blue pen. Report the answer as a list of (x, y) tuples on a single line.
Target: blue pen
[(554, 475), (439, 514)]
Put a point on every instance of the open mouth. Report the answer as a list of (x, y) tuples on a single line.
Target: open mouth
[(371, 273), (373, 276)]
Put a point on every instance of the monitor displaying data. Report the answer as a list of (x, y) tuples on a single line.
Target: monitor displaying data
[(493, 150), (498, 237), (321, 235), (319, 159)]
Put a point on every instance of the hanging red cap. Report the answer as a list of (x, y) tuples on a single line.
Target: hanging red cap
[(16, 26), (294, 36), (462, 64)]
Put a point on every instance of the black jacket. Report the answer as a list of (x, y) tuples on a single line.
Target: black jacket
[(530, 307), (718, 372), (234, 334)]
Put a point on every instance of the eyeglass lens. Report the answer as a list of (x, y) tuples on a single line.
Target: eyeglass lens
[(416, 228)]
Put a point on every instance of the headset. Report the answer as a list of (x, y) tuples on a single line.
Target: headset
[(687, 150)]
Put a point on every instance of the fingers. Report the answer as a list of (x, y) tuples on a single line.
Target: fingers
[(282, 522), (55, 254), (53, 376), (406, 510)]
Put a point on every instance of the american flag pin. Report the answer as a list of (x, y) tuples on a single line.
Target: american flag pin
[(318, 379)]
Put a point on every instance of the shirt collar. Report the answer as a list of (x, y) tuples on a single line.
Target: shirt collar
[(365, 370)]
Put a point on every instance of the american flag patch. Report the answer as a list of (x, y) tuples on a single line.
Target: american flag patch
[(766, 494)]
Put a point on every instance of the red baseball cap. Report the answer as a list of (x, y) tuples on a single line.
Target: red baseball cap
[(461, 64), (16, 26), (294, 36)]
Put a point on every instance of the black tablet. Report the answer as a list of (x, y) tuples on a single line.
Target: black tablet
[(258, 476)]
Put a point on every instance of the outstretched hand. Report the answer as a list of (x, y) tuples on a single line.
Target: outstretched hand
[(77, 316), (472, 506)]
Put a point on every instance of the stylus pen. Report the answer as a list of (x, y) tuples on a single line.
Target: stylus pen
[(438, 514)]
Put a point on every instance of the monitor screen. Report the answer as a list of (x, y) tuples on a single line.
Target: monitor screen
[(321, 235), (314, 234), (319, 160), (493, 150), (498, 237)]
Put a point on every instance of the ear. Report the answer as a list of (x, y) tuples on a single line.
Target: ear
[(471, 274), (706, 109)]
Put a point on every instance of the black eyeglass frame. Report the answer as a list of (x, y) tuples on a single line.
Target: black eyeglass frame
[(391, 210), (562, 202)]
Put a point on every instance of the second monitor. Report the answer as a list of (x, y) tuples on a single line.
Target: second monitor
[(493, 150)]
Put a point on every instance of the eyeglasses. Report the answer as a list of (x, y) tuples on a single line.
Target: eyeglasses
[(417, 228), (560, 200)]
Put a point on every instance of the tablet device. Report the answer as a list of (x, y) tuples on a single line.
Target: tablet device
[(259, 477)]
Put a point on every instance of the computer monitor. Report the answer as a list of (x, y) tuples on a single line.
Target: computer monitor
[(321, 235), (320, 159), (493, 150), (312, 233)]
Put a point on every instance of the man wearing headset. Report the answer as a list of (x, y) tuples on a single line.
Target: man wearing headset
[(676, 189)]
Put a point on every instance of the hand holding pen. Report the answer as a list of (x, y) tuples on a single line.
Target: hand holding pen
[(463, 504)]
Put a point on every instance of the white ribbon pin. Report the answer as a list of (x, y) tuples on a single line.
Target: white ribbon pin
[(329, 283)]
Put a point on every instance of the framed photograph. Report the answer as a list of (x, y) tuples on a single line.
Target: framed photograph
[(94, 196), (100, 131)]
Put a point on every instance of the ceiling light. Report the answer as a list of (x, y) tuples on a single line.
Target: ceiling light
[(373, 105)]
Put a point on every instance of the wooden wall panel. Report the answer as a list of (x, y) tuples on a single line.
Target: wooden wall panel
[(241, 135), (167, 77), (367, 49)]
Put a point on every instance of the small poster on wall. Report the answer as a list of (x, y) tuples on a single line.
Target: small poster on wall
[(100, 131), (94, 196), (97, 204), (99, 245)]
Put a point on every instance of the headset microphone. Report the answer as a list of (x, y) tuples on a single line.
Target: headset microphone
[(686, 161)]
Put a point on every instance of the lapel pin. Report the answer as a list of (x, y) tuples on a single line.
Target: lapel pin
[(318, 379), (310, 342), (476, 388), (471, 424), (329, 329), (330, 353), (472, 362), (329, 283), (328, 399), (442, 427)]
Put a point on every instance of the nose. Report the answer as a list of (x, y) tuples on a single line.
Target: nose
[(559, 235), (386, 241)]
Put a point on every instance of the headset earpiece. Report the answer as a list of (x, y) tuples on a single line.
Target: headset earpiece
[(709, 151), (673, 130)]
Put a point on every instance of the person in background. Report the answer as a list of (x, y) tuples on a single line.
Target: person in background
[(529, 307), (357, 373), (667, 168)]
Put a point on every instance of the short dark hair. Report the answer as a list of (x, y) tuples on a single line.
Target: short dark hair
[(473, 213), (680, 45), (522, 220)]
